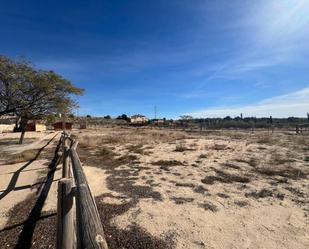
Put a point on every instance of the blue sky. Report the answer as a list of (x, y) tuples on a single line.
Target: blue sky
[(203, 58)]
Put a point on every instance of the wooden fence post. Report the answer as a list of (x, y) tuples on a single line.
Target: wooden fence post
[(66, 161), (65, 225)]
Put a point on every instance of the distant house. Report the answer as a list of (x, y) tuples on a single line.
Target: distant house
[(60, 125), (7, 128), (138, 119), (158, 121), (36, 126), (7, 123)]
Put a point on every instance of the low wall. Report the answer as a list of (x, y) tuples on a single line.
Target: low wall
[(6, 127)]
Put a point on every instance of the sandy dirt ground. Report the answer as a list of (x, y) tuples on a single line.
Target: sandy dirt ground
[(220, 190), (20, 180), (171, 189)]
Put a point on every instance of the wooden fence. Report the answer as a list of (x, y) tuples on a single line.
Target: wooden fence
[(78, 221)]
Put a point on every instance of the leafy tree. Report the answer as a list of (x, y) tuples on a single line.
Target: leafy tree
[(33, 94), (123, 117), (12, 77), (107, 117)]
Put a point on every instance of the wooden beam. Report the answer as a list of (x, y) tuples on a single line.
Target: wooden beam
[(65, 225), (90, 232)]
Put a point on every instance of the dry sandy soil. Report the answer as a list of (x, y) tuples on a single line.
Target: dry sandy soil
[(218, 190), (171, 189)]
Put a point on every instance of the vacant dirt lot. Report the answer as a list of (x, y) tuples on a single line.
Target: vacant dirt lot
[(225, 189), (167, 189)]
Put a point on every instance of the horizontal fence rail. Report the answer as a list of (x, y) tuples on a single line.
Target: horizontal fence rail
[(78, 222)]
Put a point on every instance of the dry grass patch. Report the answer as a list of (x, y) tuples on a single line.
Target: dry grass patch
[(200, 189), (288, 172), (230, 165), (203, 156), (182, 200), (241, 203), (105, 156), (220, 147), (224, 178), (209, 206), (263, 193), (182, 147), (167, 163)]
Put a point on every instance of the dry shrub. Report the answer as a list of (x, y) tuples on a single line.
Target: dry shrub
[(253, 162), (241, 203), (219, 147), (202, 156), (181, 200), (209, 206), (263, 193), (230, 165), (136, 148), (200, 189), (167, 163), (224, 178), (186, 185), (181, 148), (241, 160), (222, 195), (288, 172)]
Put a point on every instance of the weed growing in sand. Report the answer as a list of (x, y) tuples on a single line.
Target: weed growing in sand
[(219, 147), (202, 156), (263, 193), (224, 178), (241, 203), (224, 196), (209, 206), (181, 148), (181, 200)]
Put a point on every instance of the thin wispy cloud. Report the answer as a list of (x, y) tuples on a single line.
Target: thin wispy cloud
[(274, 34), (292, 104), (177, 55)]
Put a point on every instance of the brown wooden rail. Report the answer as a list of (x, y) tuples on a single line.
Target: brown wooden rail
[(78, 221)]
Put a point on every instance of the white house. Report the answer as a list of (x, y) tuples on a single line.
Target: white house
[(139, 119)]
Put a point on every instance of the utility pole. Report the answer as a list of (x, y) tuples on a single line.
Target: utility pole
[(155, 112)]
